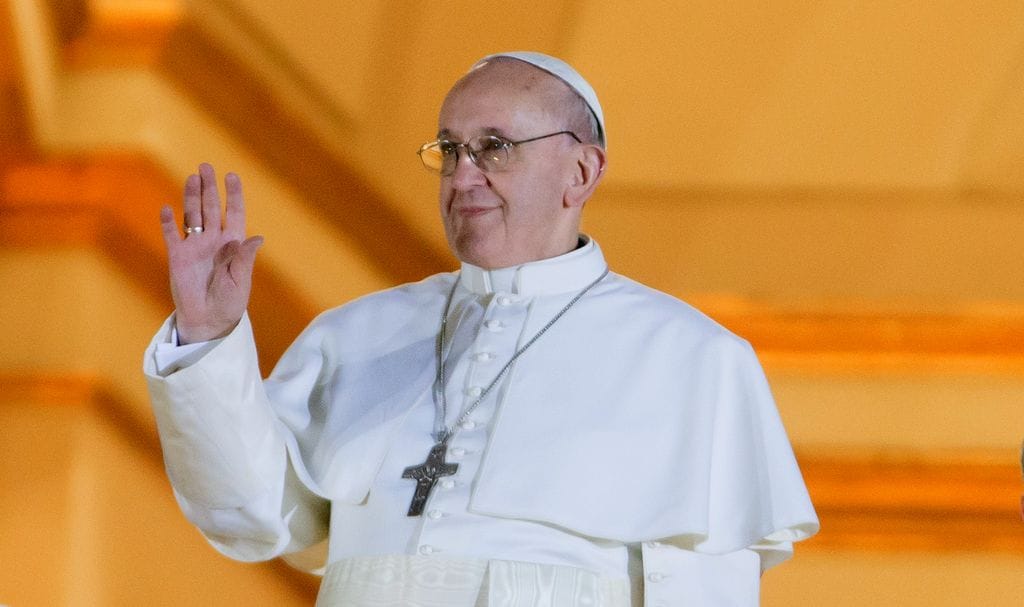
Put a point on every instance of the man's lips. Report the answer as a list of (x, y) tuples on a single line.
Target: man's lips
[(472, 210)]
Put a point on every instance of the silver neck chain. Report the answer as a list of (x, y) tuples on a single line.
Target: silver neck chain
[(445, 433)]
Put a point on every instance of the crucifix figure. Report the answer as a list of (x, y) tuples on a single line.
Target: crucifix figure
[(426, 474)]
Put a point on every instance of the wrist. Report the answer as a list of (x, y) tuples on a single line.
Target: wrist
[(191, 334)]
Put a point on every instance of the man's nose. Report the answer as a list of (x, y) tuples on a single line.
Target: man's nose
[(466, 173)]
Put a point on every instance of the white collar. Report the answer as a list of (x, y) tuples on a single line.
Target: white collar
[(569, 272)]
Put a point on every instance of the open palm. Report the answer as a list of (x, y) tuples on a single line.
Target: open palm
[(211, 269)]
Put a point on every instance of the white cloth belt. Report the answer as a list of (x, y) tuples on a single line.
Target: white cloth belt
[(430, 581)]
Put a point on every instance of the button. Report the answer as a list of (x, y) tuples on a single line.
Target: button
[(457, 451), (468, 424), (426, 549), (474, 391), (654, 577), (447, 483), (482, 357), (435, 514), (494, 325), (504, 300)]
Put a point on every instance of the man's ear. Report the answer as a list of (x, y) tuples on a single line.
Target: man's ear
[(590, 166)]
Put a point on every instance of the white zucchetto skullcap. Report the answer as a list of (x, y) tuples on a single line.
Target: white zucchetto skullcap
[(564, 72)]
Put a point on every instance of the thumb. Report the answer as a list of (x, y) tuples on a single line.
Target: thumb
[(245, 257)]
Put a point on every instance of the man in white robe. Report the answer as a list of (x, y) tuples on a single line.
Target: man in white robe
[(592, 441)]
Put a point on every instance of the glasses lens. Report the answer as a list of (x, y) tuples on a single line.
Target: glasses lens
[(449, 156), (431, 155), (489, 152)]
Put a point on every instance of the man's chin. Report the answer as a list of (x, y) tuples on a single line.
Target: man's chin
[(483, 254)]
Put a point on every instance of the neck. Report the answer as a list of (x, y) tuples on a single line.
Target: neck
[(577, 243)]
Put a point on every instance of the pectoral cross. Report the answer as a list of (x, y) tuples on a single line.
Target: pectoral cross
[(426, 474)]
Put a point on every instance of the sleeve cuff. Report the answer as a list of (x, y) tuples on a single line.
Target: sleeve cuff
[(170, 357)]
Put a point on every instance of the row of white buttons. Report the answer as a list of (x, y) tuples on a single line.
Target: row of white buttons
[(435, 514), (445, 483), (494, 326), (476, 391)]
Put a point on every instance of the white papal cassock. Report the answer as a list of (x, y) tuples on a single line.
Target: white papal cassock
[(633, 451)]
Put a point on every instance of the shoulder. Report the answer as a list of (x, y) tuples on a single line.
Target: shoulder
[(396, 300), (643, 308), (400, 310)]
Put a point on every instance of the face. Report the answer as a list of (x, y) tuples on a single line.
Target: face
[(520, 213)]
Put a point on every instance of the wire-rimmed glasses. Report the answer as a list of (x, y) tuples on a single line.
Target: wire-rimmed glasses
[(489, 152)]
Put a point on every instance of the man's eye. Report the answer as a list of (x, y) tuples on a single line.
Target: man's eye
[(447, 148), (491, 144)]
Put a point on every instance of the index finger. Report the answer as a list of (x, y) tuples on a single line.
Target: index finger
[(168, 227)]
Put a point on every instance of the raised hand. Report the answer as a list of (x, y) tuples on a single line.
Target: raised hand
[(211, 268)]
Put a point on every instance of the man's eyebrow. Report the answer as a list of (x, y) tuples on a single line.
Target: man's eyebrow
[(490, 130)]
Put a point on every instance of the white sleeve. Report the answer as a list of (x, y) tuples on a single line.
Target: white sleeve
[(169, 356), (224, 451), (674, 577)]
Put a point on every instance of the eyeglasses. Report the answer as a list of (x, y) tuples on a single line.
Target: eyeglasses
[(489, 152)]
